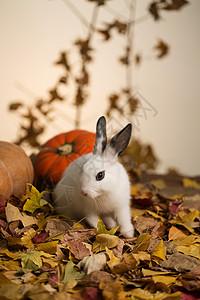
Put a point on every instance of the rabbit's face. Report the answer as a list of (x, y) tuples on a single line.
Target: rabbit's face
[(94, 177)]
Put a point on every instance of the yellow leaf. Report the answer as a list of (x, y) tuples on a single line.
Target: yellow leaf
[(12, 265), (49, 247), (189, 183), (101, 228), (190, 217), (34, 200), (192, 250), (175, 233), (77, 226), (156, 216), (33, 256), (167, 280), (115, 264), (50, 262), (13, 255), (142, 242), (13, 214), (147, 272), (105, 240), (159, 184), (135, 189), (143, 294), (186, 241), (113, 290), (137, 212), (185, 220), (25, 240), (159, 252)]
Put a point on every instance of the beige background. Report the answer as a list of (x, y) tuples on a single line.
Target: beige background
[(34, 32)]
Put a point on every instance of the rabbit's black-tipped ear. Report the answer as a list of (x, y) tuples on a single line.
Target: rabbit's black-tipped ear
[(101, 138), (119, 142)]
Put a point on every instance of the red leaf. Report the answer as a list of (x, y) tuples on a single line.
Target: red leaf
[(143, 202), (91, 293), (40, 237)]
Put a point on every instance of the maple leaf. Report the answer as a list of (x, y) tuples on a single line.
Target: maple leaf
[(71, 273), (101, 228), (33, 259), (34, 200), (105, 240)]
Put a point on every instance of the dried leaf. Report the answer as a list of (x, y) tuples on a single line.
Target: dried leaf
[(49, 247), (78, 249), (34, 257), (159, 252), (175, 233), (192, 250), (82, 235), (143, 294), (175, 5), (142, 242), (94, 262), (101, 228), (105, 240), (14, 106), (180, 262), (14, 214), (189, 183), (71, 273), (159, 184), (162, 48), (154, 10), (34, 200), (56, 226)]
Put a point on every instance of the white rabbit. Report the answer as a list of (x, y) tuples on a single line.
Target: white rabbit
[(96, 184)]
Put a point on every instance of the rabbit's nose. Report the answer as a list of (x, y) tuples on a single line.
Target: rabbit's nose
[(84, 193)]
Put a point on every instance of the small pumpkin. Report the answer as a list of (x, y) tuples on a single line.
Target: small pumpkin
[(16, 169), (58, 152)]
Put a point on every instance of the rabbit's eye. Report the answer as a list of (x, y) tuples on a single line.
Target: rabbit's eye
[(100, 175)]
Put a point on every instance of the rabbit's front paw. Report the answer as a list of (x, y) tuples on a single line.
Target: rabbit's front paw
[(128, 233), (92, 220)]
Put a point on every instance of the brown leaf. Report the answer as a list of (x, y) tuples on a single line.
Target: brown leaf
[(180, 262), (105, 33), (56, 226), (175, 4), (78, 249), (13, 214), (145, 224), (138, 59), (63, 60), (54, 95), (14, 106), (94, 262), (98, 276), (82, 235), (154, 10), (162, 48)]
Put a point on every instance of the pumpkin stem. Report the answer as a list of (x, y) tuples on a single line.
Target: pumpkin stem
[(65, 149)]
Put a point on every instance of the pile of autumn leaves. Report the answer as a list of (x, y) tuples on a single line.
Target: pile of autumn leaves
[(45, 256)]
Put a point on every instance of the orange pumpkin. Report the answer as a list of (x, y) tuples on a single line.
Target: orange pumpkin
[(16, 169), (57, 153)]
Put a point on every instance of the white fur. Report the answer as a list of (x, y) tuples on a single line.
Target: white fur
[(80, 195), (108, 198)]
